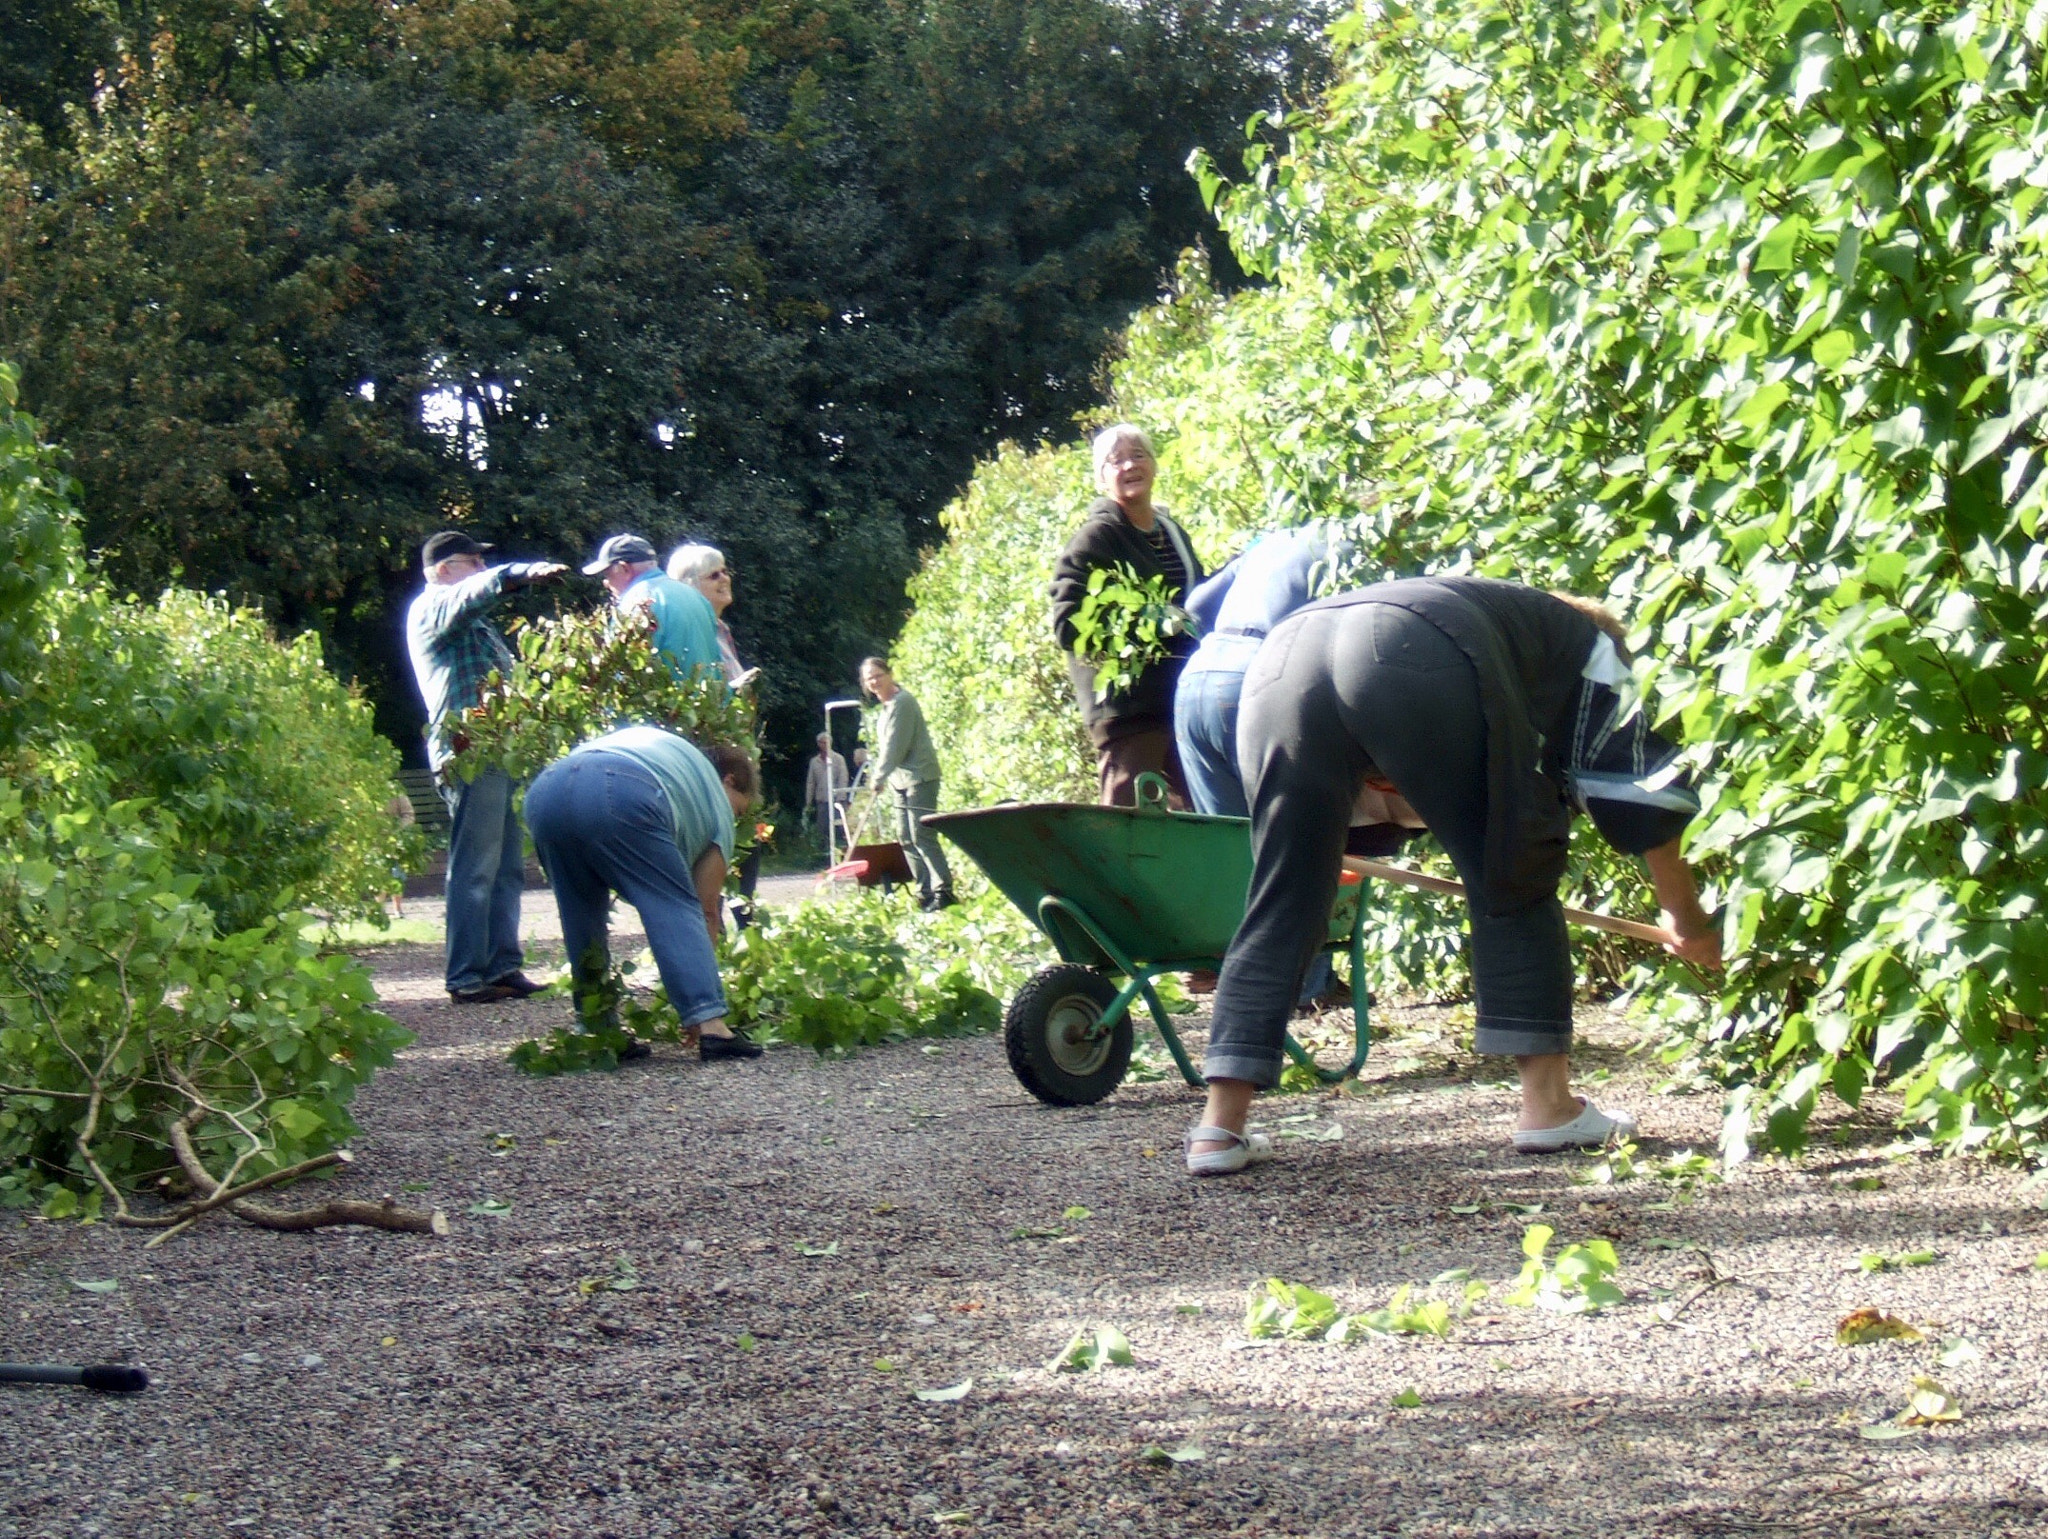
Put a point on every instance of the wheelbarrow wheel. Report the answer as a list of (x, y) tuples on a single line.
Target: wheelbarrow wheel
[(1060, 1048)]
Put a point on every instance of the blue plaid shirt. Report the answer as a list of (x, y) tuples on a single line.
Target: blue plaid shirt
[(455, 648)]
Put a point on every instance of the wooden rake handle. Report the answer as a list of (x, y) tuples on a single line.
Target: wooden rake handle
[(1634, 929)]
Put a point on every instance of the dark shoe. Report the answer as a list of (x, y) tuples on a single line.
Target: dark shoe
[(739, 1045), (940, 900), (519, 984), (485, 994), (634, 1050)]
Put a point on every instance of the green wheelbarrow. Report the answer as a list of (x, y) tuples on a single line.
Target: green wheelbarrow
[(1124, 893)]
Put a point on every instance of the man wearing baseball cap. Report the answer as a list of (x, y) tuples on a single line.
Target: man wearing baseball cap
[(454, 649), (685, 625)]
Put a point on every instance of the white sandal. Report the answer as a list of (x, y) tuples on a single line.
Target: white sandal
[(1590, 1129), (1246, 1148)]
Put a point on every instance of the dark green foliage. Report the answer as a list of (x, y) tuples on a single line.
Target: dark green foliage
[(38, 533)]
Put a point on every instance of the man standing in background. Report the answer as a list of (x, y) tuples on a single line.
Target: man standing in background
[(823, 783), (685, 626), (454, 648), (908, 764)]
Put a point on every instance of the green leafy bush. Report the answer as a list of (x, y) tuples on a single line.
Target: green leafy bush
[(39, 534), (1735, 311), (170, 778), (124, 1013), (836, 975), (265, 775), (576, 676)]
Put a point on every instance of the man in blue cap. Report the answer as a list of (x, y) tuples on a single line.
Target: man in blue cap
[(685, 625)]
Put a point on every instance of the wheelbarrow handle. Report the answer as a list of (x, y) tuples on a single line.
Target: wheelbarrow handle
[(1634, 929)]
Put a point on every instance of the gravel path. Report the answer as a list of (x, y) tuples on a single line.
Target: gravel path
[(345, 1383)]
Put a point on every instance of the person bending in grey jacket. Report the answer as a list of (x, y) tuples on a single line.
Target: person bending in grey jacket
[(907, 764), (1489, 712)]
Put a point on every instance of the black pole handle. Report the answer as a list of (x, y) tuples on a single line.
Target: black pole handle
[(107, 1378)]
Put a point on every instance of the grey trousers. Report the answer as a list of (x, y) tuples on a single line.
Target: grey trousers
[(1332, 694), (920, 844)]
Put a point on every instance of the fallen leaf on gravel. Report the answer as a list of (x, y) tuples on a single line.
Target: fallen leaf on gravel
[(1152, 1453), (1958, 1352), (1037, 1232), (1879, 1431), (620, 1279), (1467, 1209), (883, 1365), (1407, 1400), (2041, 1261), (883, 1207), (1872, 1261), (502, 1144), (490, 1207), (1866, 1184), (745, 1341), (414, 1186), (1076, 1213), (1860, 1327), (1187, 1309), (1153, 1154), (97, 1285), (1102, 1347), (950, 1392), (972, 1306), (394, 1462), (1929, 1403), (388, 1341), (1333, 1133), (957, 1515), (807, 1248)]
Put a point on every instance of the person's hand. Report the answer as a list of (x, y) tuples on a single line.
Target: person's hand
[(1694, 938), (545, 571)]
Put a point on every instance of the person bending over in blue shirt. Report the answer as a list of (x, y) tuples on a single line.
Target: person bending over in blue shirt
[(645, 814)]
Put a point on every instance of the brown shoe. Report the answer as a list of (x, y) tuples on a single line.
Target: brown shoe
[(518, 983), (1201, 981)]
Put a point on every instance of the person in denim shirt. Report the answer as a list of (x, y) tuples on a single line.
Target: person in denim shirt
[(454, 648)]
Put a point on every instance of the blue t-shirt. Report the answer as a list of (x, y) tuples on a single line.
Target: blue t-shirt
[(685, 624), (1254, 593), (698, 810)]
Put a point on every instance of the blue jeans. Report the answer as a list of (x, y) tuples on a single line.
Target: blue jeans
[(602, 825), (486, 874), (1205, 723)]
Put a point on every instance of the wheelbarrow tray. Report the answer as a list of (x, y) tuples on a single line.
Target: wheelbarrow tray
[(1166, 890), (1136, 891)]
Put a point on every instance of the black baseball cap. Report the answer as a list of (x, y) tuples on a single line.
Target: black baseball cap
[(450, 542), (620, 547)]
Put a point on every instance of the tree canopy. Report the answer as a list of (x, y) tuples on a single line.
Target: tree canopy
[(296, 284)]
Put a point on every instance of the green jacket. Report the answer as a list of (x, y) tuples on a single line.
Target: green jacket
[(904, 755)]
